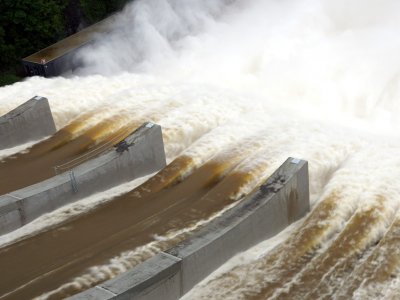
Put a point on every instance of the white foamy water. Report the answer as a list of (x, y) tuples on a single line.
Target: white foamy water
[(318, 80)]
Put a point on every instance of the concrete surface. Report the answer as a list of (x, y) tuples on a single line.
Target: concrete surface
[(281, 200), (144, 155), (62, 56), (28, 122)]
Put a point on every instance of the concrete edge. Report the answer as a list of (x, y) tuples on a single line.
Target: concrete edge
[(29, 121), (281, 200), (144, 155)]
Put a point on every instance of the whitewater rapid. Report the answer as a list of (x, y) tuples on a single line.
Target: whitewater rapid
[(318, 80)]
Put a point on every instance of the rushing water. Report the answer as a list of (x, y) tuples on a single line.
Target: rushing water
[(237, 86)]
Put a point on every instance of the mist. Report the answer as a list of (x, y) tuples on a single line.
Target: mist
[(331, 55), (314, 79)]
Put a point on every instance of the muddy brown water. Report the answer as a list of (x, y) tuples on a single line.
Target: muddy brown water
[(39, 162), (46, 261)]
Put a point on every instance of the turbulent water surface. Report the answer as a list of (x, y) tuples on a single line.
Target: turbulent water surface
[(237, 86)]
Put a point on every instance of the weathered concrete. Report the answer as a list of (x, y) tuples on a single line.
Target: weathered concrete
[(144, 155), (62, 56), (28, 122), (283, 199)]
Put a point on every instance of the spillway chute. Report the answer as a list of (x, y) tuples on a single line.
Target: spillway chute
[(281, 200), (145, 155)]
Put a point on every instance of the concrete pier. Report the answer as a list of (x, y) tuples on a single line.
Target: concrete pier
[(28, 122), (281, 200), (140, 154)]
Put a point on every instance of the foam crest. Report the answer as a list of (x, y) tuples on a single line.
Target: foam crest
[(215, 73)]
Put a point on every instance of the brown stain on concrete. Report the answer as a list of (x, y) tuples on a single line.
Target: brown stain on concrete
[(292, 205)]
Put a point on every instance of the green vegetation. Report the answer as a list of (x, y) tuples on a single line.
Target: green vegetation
[(95, 10), (27, 26), (8, 78)]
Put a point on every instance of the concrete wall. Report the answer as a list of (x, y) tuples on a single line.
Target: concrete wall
[(283, 199), (66, 63), (145, 155), (28, 122)]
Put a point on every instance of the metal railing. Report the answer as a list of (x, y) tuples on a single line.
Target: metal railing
[(92, 153)]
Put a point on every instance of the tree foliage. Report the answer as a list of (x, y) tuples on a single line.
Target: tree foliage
[(95, 10), (26, 26)]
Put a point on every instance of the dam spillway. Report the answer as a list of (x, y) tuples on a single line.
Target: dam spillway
[(237, 87), (280, 201), (174, 204), (144, 154), (30, 121), (59, 152), (169, 201), (126, 223)]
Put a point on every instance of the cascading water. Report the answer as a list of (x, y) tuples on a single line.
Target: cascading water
[(238, 86)]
